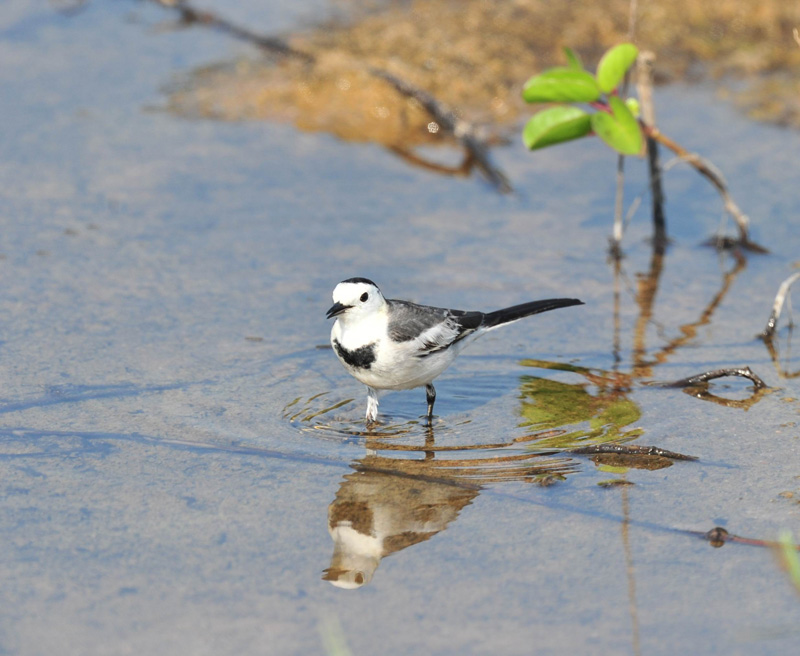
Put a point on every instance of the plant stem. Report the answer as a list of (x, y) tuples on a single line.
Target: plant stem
[(707, 171), (644, 83)]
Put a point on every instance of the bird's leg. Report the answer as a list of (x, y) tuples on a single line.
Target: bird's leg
[(372, 405), (430, 393)]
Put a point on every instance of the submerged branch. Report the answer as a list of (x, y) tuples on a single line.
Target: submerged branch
[(190, 15), (718, 536), (477, 150), (777, 306), (630, 450), (704, 377)]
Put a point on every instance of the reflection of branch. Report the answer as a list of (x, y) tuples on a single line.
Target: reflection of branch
[(707, 170), (742, 404), (459, 128), (688, 331), (412, 158), (777, 305), (617, 344), (191, 16), (645, 299), (773, 353), (469, 474), (476, 148)]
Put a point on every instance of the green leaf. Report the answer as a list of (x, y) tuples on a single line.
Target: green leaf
[(561, 85), (633, 105), (574, 61), (620, 129), (791, 561), (614, 64), (555, 125)]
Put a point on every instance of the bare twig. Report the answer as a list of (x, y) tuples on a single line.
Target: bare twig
[(777, 306), (707, 170), (703, 378), (796, 34)]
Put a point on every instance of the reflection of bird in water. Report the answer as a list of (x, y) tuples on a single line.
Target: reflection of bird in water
[(389, 504), (376, 513)]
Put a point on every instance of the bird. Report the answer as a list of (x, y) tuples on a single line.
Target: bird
[(389, 344)]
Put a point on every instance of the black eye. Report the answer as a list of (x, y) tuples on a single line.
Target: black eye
[(364, 297)]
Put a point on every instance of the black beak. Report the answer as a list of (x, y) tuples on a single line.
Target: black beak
[(336, 309)]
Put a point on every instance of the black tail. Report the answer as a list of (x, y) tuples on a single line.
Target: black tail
[(507, 315)]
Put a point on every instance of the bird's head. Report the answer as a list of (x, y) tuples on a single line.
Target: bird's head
[(355, 298)]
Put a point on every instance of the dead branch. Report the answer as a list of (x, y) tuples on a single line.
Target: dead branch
[(703, 378), (777, 306), (708, 171)]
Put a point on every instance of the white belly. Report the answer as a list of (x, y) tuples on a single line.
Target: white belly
[(404, 370), (397, 367)]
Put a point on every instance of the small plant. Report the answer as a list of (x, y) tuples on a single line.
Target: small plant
[(615, 121)]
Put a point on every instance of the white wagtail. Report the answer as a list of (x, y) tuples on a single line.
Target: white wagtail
[(396, 345)]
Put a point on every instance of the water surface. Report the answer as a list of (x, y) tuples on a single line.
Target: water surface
[(186, 471)]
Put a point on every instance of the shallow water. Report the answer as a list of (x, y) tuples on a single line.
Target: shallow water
[(176, 437)]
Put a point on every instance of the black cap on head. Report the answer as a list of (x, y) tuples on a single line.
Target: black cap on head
[(365, 280)]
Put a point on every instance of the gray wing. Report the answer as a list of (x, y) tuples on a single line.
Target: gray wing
[(436, 329)]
